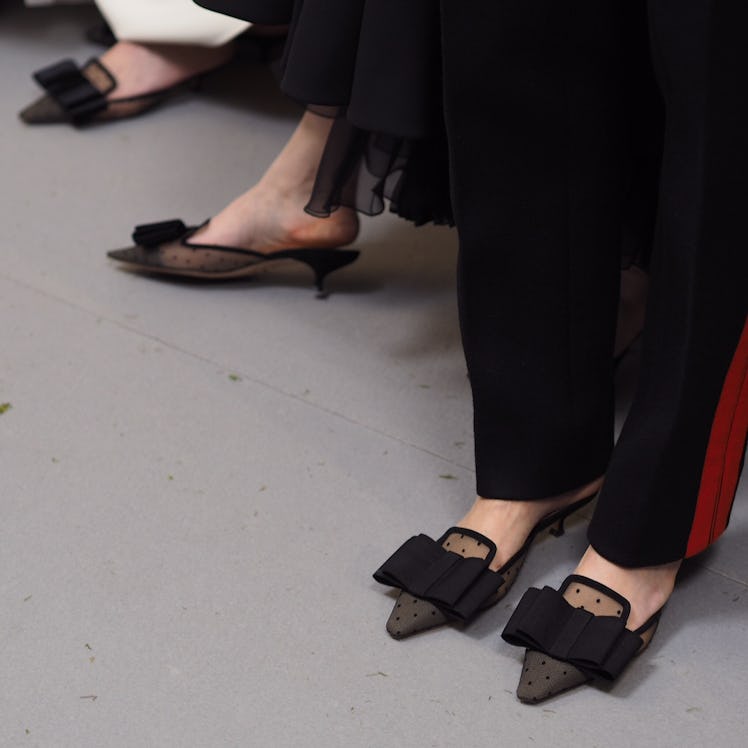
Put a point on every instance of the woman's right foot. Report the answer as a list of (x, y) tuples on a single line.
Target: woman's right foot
[(598, 587)]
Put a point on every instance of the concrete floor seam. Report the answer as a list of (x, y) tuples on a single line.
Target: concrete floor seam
[(248, 377)]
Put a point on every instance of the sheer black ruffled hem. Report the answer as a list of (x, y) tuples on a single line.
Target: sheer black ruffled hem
[(363, 170), (375, 66)]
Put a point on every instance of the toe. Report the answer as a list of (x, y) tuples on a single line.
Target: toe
[(544, 677), (43, 111), (412, 615)]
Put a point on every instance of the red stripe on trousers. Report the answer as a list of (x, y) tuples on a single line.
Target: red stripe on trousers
[(724, 454)]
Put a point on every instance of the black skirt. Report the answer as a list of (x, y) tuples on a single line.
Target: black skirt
[(374, 65)]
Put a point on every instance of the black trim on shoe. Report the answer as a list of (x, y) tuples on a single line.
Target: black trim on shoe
[(600, 587)]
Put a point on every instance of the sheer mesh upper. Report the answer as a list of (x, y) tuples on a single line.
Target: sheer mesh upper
[(544, 676), (411, 614)]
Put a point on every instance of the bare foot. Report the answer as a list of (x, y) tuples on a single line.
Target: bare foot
[(508, 523), (647, 588), (270, 216), (144, 68)]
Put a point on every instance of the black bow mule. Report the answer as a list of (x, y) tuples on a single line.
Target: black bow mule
[(573, 635), (155, 245), (449, 579)]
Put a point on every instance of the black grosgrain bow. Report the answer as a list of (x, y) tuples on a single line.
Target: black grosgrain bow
[(597, 645), (456, 585), (153, 234), (71, 90)]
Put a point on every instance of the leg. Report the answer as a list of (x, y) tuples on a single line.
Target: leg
[(661, 477), (673, 474), (540, 235), (537, 194)]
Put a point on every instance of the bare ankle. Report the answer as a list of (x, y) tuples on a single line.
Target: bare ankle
[(509, 523), (647, 588), (339, 228)]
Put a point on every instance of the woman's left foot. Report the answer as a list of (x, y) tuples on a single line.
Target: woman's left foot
[(567, 648)]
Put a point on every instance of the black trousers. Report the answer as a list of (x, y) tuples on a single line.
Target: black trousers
[(549, 107)]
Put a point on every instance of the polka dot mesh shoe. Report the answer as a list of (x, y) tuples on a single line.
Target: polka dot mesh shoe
[(449, 579), (573, 635), (80, 95), (412, 615)]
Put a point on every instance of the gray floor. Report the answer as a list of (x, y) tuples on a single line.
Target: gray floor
[(197, 482)]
